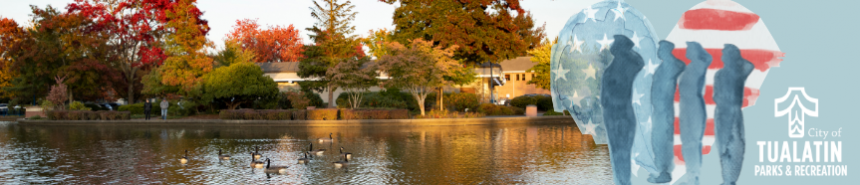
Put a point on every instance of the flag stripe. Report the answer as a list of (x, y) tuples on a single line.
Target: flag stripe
[(706, 149), (709, 126), (750, 96), (761, 59), (714, 19)]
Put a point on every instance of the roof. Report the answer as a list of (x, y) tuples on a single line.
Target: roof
[(517, 64), (275, 67)]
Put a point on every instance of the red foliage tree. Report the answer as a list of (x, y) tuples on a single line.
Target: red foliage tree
[(135, 28), (274, 44)]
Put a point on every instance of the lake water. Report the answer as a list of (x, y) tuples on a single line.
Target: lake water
[(476, 154)]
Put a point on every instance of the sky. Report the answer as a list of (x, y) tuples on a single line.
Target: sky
[(372, 14)]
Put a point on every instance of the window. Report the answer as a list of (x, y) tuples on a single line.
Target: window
[(507, 77)]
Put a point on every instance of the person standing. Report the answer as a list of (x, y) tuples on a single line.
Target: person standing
[(617, 102), (147, 108), (729, 84), (164, 106), (693, 113)]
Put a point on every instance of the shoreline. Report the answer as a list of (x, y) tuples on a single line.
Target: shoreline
[(519, 120)]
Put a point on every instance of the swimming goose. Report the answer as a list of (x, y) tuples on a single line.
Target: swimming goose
[(305, 159), (274, 169), (329, 139), (316, 152), (344, 162), (256, 163), (184, 159), (256, 153), (347, 154), (223, 156)]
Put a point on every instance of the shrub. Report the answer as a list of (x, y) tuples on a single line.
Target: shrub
[(436, 114), (322, 114), (376, 114), (74, 115), (499, 110), (137, 108), (46, 106), (350, 114), (57, 115), (276, 114), (523, 101), (76, 105), (399, 114), (298, 99), (93, 115), (461, 101), (300, 114), (250, 114), (543, 102)]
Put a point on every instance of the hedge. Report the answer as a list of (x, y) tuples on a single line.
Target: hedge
[(348, 114), (500, 110), (435, 114), (543, 102), (322, 114), (186, 109), (88, 115)]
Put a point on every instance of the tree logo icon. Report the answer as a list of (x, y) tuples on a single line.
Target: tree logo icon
[(796, 109)]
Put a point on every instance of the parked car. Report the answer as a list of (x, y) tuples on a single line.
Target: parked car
[(110, 106), (4, 108)]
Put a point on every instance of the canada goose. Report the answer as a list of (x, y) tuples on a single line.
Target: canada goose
[(305, 159), (274, 169), (184, 159), (347, 154), (256, 153), (344, 162), (256, 163), (329, 139), (316, 152), (223, 156)]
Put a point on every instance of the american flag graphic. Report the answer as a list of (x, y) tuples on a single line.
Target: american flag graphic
[(713, 24)]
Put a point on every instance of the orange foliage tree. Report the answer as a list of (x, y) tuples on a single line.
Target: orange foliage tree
[(274, 44), (10, 33), (187, 62)]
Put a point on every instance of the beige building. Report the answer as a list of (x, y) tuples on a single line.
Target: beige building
[(509, 75)]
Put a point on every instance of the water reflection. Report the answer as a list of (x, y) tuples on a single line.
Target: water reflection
[(381, 155)]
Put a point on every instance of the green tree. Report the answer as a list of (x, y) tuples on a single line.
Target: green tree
[(483, 30), (376, 42), (354, 77), (334, 42), (233, 53), (419, 69), (238, 83), (541, 55)]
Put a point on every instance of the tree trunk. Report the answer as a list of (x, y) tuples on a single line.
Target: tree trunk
[(420, 104), (441, 98), (233, 105), (330, 96), (130, 77)]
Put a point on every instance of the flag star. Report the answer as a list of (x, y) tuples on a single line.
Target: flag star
[(646, 124), (634, 166), (636, 40), (575, 99), (575, 44), (619, 12), (637, 97), (604, 44), (589, 128), (561, 73), (651, 68), (589, 72), (590, 13)]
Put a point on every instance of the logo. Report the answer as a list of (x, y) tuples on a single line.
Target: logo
[(796, 110)]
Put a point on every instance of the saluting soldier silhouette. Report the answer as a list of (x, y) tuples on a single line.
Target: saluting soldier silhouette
[(728, 118), (692, 105), (663, 100), (616, 98)]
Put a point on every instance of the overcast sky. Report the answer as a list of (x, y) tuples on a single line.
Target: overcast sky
[(372, 14)]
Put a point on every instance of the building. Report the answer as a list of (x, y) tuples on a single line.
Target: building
[(510, 76)]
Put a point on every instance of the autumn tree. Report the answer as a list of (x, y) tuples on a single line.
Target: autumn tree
[(483, 30), (541, 55), (355, 76), (236, 84), (376, 42), (10, 35), (333, 43), (185, 44), (58, 93), (419, 69), (135, 28), (273, 44)]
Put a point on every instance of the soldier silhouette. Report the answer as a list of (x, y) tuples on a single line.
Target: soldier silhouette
[(616, 98), (663, 99), (693, 115), (728, 117)]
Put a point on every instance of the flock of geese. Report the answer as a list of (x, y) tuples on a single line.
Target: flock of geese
[(267, 165)]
